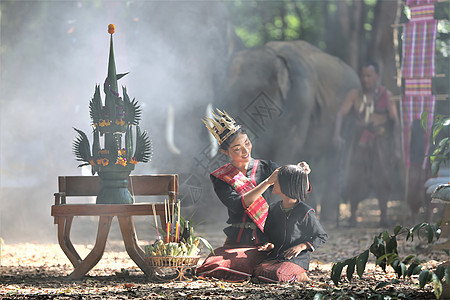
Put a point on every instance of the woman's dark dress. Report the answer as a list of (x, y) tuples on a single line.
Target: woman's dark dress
[(236, 260)]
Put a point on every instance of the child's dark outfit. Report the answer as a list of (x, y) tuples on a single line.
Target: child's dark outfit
[(285, 229)]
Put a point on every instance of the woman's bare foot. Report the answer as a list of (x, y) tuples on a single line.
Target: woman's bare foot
[(303, 278)]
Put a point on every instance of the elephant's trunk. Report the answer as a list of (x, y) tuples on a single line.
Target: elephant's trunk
[(170, 128), (212, 140)]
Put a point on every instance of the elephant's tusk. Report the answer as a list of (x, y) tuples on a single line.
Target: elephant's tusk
[(170, 131), (212, 140)]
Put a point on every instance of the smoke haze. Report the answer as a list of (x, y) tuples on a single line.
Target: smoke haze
[(53, 53)]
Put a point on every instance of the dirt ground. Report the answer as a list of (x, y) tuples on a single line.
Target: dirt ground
[(39, 271)]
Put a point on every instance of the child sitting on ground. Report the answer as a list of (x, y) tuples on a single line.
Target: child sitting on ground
[(292, 229)]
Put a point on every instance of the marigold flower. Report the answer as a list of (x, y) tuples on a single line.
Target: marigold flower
[(105, 162), (121, 161), (133, 161), (120, 122), (122, 151), (111, 28), (92, 162), (99, 161)]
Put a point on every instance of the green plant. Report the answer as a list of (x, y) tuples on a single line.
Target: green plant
[(441, 154), (181, 247), (384, 248)]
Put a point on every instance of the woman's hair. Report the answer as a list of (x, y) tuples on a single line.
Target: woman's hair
[(293, 181), (226, 144)]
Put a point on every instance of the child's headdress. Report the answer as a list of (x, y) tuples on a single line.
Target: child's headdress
[(221, 126)]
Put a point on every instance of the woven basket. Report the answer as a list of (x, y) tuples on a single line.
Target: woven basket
[(169, 261), (169, 268)]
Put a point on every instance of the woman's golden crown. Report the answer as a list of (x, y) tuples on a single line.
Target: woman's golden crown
[(221, 126)]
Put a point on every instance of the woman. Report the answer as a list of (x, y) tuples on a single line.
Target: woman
[(292, 229), (244, 187)]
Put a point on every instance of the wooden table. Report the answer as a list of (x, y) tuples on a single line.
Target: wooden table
[(64, 213)]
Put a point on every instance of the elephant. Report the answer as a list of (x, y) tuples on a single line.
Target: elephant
[(286, 94)]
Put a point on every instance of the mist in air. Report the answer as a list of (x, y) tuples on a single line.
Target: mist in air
[(53, 53)]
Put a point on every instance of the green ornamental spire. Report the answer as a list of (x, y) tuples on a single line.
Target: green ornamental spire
[(113, 122)]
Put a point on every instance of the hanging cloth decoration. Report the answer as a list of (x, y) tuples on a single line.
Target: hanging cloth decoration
[(417, 99), (419, 2), (418, 67), (419, 43)]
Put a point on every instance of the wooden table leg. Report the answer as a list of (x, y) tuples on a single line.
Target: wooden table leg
[(96, 253), (64, 225), (130, 239), (68, 241)]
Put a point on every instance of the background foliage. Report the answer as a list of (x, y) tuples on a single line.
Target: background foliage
[(353, 30)]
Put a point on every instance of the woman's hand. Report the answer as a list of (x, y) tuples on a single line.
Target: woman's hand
[(295, 250), (252, 195), (266, 247), (273, 177), (305, 167)]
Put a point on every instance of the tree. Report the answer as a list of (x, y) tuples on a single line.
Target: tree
[(354, 30)]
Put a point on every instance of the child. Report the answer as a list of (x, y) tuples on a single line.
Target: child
[(292, 229)]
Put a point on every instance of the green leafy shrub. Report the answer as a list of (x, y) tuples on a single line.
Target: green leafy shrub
[(441, 154), (384, 248)]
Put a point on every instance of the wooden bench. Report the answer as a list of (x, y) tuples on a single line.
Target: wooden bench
[(83, 186)]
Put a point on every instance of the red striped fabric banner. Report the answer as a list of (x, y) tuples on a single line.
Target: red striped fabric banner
[(417, 99), (419, 44), (418, 67), (422, 13), (419, 2)]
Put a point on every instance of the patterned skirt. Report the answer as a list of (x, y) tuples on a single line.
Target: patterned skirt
[(232, 263), (280, 271)]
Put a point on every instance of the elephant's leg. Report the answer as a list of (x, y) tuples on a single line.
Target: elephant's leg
[(356, 188), (383, 188), (354, 202), (382, 203)]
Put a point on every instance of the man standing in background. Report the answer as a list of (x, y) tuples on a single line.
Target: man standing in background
[(375, 145)]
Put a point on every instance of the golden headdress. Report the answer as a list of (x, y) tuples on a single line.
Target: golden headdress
[(221, 126)]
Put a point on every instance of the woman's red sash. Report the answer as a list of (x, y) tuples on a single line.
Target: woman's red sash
[(259, 209)]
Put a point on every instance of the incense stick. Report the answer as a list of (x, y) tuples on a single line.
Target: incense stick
[(179, 208), (156, 220), (173, 212), (165, 210)]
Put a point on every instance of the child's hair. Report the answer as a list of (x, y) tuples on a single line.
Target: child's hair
[(293, 181)]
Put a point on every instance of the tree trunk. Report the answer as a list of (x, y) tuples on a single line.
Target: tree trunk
[(382, 43), (352, 18)]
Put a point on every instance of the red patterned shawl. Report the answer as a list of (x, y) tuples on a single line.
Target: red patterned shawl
[(259, 209)]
